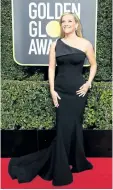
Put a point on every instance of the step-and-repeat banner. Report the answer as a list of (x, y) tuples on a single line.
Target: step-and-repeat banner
[(35, 25)]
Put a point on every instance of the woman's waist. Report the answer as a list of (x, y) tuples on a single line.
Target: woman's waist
[(69, 80), (69, 84)]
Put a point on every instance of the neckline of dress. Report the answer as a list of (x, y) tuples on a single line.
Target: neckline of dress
[(72, 47)]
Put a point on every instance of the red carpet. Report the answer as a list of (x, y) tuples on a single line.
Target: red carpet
[(100, 177)]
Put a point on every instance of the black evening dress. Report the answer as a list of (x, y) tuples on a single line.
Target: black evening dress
[(53, 163)]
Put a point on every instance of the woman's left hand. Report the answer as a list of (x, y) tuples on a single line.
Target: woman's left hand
[(83, 89)]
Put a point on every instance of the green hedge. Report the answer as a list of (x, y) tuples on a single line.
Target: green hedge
[(98, 112), (10, 69), (104, 40), (29, 105)]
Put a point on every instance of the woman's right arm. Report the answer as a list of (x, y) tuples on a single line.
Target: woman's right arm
[(51, 74), (52, 66)]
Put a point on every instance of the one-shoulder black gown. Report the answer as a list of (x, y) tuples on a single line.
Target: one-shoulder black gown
[(53, 163)]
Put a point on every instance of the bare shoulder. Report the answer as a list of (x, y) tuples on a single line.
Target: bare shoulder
[(89, 49), (87, 43)]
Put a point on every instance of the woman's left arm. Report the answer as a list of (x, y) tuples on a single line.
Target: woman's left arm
[(92, 60)]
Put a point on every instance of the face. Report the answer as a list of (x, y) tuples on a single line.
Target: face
[(68, 23)]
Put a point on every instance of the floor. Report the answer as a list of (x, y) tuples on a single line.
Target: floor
[(100, 177)]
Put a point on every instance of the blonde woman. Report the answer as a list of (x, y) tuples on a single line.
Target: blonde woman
[(69, 93)]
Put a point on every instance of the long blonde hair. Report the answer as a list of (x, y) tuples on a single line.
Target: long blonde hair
[(79, 28)]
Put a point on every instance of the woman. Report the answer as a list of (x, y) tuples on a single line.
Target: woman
[(69, 94)]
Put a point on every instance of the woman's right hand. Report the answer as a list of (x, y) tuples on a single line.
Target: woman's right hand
[(55, 98)]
